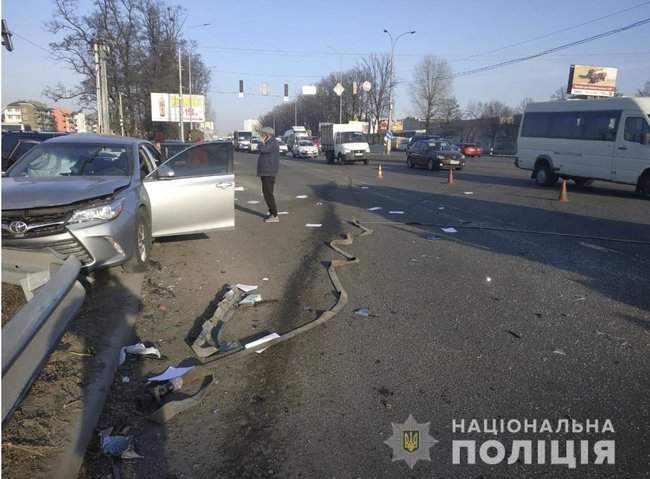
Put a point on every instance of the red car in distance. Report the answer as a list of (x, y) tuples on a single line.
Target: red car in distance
[(471, 149)]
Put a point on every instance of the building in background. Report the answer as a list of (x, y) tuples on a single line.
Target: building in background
[(251, 125), (62, 120), (34, 115), (91, 122), (79, 120), (12, 115)]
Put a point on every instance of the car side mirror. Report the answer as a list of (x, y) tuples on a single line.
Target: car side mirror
[(165, 172), (645, 139)]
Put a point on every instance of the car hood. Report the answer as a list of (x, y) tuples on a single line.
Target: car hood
[(22, 193), (450, 155)]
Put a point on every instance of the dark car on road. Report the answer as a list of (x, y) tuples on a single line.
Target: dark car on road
[(435, 155), (16, 143), (414, 139)]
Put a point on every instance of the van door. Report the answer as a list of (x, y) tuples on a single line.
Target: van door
[(632, 154)]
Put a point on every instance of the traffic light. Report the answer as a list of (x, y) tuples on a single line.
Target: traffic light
[(241, 88), (6, 37), (286, 92)]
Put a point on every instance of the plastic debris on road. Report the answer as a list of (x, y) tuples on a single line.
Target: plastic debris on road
[(239, 188), (449, 230), (283, 213), (139, 349), (488, 279), (302, 197), (261, 341), (117, 446), (170, 373), (126, 379), (313, 225), (396, 212), (246, 288), (375, 208), (319, 203), (560, 352), (468, 193), (265, 278), (441, 208), (362, 312), (252, 202), (251, 299), (365, 187)]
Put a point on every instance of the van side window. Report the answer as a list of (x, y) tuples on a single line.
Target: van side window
[(536, 125), (635, 129), (601, 125)]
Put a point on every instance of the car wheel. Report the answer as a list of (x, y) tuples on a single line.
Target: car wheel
[(409, 162), (339, 159), (430, 165), (365, 162), (544, 176), (583, 181), (644, 185), (140, 257)]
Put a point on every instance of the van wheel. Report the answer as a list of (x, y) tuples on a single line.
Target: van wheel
[(644, 185), (583, 181), (544, 175), (139, 260), (365, 162), (430, 165)]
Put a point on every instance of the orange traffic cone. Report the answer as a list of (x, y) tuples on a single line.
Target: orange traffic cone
[(380, 172), (450, 179), (563, 195)]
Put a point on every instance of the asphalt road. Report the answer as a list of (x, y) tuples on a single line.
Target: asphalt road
[(478, 324)]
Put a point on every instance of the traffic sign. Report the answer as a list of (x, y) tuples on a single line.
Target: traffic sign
[(265, 89), (366, 85), (338, 89)]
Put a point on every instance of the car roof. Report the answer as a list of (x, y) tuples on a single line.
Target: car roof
[(94, 138)]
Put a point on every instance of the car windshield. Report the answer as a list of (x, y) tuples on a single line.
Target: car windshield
[(172, 150), (305, 143), (68, 159), (353, 137), (443, 146), (244, 135)]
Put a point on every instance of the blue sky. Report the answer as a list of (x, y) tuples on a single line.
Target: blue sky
[(311, 32)]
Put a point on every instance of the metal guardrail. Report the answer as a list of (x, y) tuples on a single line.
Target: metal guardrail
[(31, 335)]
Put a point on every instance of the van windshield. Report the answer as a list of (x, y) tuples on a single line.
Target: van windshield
[(353, 137)]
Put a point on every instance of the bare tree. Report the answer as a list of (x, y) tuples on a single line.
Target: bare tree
[(376, 69), (431, 87), (143, 37), (496, 109), (559, 94), (645, 90), (473, 110), (523, 104)]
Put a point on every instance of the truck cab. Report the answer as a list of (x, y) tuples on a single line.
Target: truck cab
[(344, 143)]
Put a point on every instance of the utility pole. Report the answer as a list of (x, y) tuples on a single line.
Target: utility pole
[(121, 117), (101, 87), (98, 90), (189, 61), (390, 79), (181, 133), (295, 112)]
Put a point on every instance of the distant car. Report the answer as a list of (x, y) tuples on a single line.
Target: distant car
[(417, 138), (435, 155), (16, 143), (101, 199), (316, 141), (305, 149), (284, 149), (470, 149), (172, 147), (254, 145)]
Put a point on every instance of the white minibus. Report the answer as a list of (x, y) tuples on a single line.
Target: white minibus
[(585, 140)]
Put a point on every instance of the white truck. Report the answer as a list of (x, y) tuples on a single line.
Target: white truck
[(343, 143), (292, 136)]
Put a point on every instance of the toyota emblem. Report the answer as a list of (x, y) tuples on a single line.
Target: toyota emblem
[(18, 227)]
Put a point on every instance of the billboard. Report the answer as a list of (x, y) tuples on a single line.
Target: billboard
[(166, 107), (592, 80)]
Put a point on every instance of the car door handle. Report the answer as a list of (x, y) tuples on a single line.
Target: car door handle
[(622, 147), (224, 185)]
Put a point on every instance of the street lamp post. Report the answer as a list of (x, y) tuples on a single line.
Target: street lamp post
[(393, 42)]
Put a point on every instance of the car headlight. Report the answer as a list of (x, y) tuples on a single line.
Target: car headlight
[(98, 213), (440, 157)]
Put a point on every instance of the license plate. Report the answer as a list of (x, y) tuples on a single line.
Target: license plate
[(454, 162), (358, 154)]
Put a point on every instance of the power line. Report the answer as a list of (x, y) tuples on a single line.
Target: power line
[(30, 42), (562, 30), (551, 50)]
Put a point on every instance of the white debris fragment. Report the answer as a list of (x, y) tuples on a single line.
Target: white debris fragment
[(139, 349), (375, 208), (239, 188), (313, 225), (468, 193), (396, 212), (302, 197), (283, 212), (170, 373), (260, 341), (441, 208), (488, 279), (449, 230), (252, 202), (251, 299), (246, 288)]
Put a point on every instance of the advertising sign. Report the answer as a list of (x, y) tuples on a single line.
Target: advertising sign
[(166, 107), (592, 80), (309, 89)]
